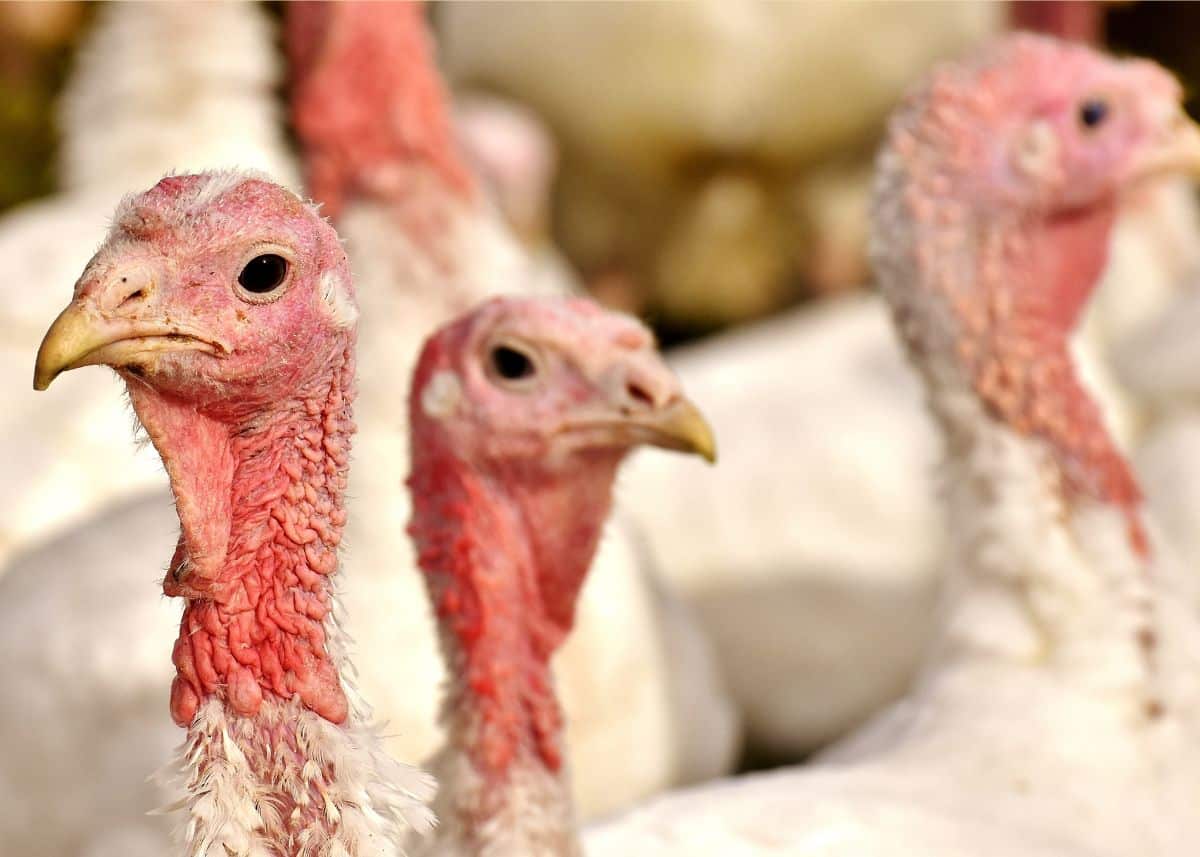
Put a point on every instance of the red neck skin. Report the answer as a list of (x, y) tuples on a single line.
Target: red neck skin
[(259, 497), (367, 103), (1015, 342), (1075, 20), (504, 556)]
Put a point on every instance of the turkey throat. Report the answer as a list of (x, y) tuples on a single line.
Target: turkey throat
[(504, 554), (277, 755)]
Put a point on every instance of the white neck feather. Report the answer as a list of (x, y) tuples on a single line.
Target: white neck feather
[(1033, 579), (287, 775), (531, 816), (428, 262), (173, 86)]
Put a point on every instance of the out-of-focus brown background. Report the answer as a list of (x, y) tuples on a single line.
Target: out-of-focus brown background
[(698, 190)]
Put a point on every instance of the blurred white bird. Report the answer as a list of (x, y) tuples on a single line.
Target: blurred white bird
[(1061, 679)]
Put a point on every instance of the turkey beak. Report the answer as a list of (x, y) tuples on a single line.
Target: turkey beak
[(644, 405), (1175, 149), (676, 424), (112, 325), (75, 335), (679, 426)]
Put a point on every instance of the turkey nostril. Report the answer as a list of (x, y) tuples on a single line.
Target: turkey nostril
[(132, 298), (639, 395)]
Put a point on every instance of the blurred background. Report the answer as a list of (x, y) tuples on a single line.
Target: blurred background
[(700, 165)]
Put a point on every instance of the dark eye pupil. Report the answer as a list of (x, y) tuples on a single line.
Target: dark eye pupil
[(1092, 112), (263, 273), (511, 364)]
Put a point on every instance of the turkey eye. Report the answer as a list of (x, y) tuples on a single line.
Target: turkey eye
[(510, 364), (1092, 112), (263, 274)]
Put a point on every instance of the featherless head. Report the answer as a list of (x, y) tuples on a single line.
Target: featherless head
[(367, 101), (995, 196), (1037, 125), (545, 383), (1031, 137), (212, 288)]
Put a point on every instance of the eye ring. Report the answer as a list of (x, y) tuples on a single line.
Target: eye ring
[(512, 365), (265, 275), (1093, 111)]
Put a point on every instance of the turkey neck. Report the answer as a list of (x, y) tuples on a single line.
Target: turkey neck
[(367, 101), (1050, 558), (504, 555), (259, 496), (381, 157)]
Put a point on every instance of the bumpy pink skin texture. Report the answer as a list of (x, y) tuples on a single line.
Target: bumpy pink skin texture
[(1010, 253), (508, 508), (255, 438), (367, 100)]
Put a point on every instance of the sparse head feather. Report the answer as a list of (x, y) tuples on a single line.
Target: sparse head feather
[(367, 102), (241, 266)]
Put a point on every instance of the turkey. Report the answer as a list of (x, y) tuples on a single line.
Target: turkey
[(156, 86), (1061, 681), (201, 297), (521, 412), (645, 707), (830, 555)]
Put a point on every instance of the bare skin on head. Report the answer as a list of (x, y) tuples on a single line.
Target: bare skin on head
[(521, 413), (995, 197), (226, 304)]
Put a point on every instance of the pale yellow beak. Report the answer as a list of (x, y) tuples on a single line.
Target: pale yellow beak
[(1176, 151), (679, 426), (81, 336)]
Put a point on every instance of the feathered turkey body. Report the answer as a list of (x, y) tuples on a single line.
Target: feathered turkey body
[(838, 548), (1061, 679), (856, 580)]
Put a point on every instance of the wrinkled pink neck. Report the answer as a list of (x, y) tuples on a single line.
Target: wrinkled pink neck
[(367, 103), (504, 557), (1021, 365), (261, 509)]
